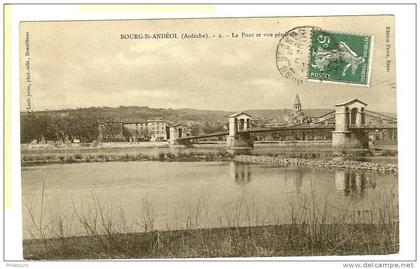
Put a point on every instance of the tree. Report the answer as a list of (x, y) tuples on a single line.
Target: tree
[(33, 127)]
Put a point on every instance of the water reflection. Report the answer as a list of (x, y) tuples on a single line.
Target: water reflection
[(298, 181), (353, 183), (350, 183), (240, 173)]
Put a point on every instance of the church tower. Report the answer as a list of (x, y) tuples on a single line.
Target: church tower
[(297, 106)]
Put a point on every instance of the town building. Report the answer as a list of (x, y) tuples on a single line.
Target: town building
[(157, 130), (152, 130), (297, 106), (296, 115), (136, 131)]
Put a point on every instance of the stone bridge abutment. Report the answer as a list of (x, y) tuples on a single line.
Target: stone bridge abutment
[(236, 140), (349, 120)]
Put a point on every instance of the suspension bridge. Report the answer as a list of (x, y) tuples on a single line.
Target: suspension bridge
[(350, 122)]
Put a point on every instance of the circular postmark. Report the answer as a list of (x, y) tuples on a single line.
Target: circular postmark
[(292, 54)]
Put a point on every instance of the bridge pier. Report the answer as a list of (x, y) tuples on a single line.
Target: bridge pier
[(176, 132), (237, 138), (349, 120)]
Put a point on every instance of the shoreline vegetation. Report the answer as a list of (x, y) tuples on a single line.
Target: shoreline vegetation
[(311, 228), (357, 161), (261, 241)]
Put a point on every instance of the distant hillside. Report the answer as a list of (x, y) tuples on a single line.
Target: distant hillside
[(139, 114), (144, 113), (280, 113)]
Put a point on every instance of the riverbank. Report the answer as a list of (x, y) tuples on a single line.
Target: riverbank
[(332, 164), (355, 160), (41, 159), (70, 146), (262, 241)]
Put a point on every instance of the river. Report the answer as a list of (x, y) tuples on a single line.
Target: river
[(128, 196)]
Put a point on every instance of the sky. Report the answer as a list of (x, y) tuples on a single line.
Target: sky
[(85, 64)]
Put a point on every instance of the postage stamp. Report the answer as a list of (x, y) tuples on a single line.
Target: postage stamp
[(340, 58)]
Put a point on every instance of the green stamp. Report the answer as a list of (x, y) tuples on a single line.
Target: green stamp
[(340, 58)]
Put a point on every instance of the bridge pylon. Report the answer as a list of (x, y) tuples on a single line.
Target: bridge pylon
[(237, 138), (349, 123), (178, 131)]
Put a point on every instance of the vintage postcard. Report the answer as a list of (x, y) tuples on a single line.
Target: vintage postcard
[(209, 138)]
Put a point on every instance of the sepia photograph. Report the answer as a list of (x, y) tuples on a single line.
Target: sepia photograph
[(209, 137)]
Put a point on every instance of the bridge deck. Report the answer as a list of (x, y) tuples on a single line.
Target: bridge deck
[(284, 128)]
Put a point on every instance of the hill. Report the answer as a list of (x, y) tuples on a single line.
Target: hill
[(280, 113), (144, 113)]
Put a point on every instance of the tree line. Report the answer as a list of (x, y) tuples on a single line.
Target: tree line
[(36, 127)]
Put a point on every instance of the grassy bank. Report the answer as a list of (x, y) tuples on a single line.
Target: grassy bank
[(263, 241), (39, 159), (48, 157)]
